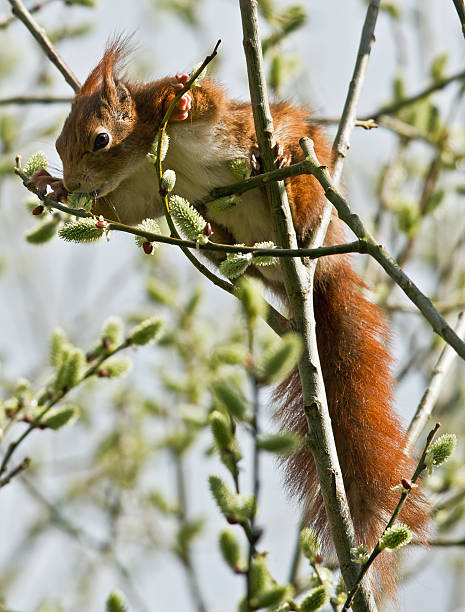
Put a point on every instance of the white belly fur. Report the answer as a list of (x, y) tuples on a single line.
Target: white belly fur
[(194, 155)]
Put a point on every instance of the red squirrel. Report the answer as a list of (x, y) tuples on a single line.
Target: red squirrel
[(103, 146)]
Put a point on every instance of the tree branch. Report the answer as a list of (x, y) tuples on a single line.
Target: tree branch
[(460, 8), (35, 100), (298, 283), (21, 12), (377, 251), (429, 399)]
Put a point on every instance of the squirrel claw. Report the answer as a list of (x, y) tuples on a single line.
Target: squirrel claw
[(282, 159)]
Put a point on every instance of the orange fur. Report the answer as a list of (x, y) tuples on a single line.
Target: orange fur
[(351, 332)]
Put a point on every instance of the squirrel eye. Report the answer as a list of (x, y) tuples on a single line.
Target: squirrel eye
[(101, 141)]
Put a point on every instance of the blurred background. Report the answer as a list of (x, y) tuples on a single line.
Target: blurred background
[(99, 508)]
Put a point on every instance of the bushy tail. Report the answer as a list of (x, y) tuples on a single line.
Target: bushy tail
[(370, 440)]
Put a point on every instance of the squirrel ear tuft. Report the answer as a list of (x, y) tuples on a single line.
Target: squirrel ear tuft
[(109, 69)]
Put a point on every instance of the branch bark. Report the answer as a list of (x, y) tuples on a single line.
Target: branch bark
[(21, 12), (298, 283)]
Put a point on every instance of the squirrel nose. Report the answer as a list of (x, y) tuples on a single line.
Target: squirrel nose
[(71, 184)]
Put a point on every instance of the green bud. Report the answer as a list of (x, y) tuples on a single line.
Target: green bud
[(58, 341), (223, 496), (230, 396), (270, 597), (112, 333), (441, 450), (81, 230), (250, 293), (164, 148), (259, 575), (235, 264), (80, 200), (230, 354), (264, 260), (57, 418), (222, 205), (221, 429), (168, 180), (240, 168), (115, 367), (115, 603), (361, 554), (315, 600), (230, 549), (159, 292), (438, 66), (157, 499), (395, 537), (309, 543), (70, 371), (35, 163), (190, 222), (283, 443), (147, 225), (146, 332), (42, 232), (280, 359), (186, 533)]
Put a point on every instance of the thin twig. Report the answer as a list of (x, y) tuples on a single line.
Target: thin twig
[(36, 100), (460, 8), (394, 107), (298, 284), (55, 398), (430, 396), (376, 250), (186, 557), (33, 9), (341, 142), (403, 497), (25, 463), (87, 540), (21, 12)]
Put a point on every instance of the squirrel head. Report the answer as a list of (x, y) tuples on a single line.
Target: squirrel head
[(99, 145)]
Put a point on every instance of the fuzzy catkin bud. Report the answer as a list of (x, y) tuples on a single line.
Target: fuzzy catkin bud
[(250, 293), (82, 230), (240, 168), (164, 148), (80, 200), (221, 429), (116, 367), (270, 597), (112, 333), (235, 264), (190, 222), (282, 443), (264, 260), (309, 543), (441, 450), (230, 396), (147, 225), (35, 163), (58, 342), (42, 232), (222, 205), (315, 600), (58, 418), (281, 359), (230, 549), (115, 603), (168, 180), (395, 537), (146, 332), (223, 496)]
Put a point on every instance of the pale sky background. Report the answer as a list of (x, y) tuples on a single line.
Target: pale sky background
[(62, 279)]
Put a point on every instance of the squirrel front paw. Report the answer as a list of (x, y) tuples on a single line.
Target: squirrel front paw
[(184, 105), (43, 179), (282, 158)]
